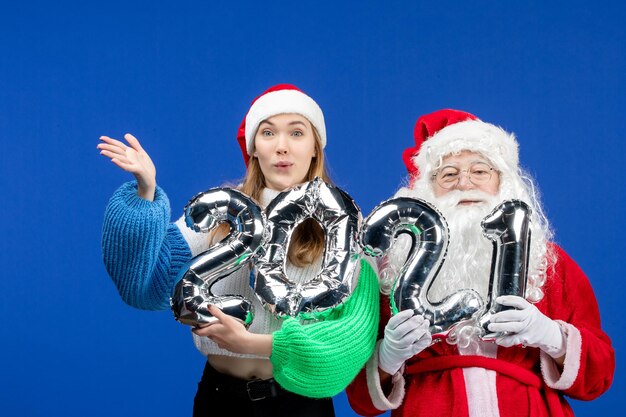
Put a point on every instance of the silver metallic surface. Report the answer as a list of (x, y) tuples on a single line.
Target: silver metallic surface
[(508, 227), (192, 294), (429, 233), (339, 216)]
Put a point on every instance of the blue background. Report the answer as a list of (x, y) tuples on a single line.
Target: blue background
[(181, 78)]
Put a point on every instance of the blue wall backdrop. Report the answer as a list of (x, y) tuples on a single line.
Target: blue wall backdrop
[(181, 77)]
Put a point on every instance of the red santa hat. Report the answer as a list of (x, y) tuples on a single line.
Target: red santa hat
[(278, 99), (451, 131)]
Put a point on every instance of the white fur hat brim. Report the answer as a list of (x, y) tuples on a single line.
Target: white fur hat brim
[(493, 142)]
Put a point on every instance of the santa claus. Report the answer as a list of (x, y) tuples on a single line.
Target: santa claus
[(550, 342)]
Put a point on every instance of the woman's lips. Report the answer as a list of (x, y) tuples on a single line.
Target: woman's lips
[(283, 165)]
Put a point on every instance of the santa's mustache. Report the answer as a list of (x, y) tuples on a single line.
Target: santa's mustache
[(454, 197)]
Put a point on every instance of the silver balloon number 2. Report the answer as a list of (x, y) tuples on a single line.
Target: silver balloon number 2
[(338, 215), (429, 233), (508, 227), (192, 294)]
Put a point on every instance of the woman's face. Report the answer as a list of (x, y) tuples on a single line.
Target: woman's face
[(284, 145)]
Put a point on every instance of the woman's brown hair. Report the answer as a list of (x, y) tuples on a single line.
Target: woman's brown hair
[(307, 241)]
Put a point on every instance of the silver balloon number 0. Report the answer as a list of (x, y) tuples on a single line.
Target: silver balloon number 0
[(429, 233), (339, 216), (192, 294)]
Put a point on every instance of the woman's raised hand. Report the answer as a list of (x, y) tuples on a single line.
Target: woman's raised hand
[(133, 159)]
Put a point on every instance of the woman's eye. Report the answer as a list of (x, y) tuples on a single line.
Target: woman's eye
[(297, 133), (267, 132)]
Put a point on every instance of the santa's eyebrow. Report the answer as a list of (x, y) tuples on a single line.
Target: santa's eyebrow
[(456, 164)]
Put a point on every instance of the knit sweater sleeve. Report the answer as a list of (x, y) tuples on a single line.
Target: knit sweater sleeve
[(142, 250), (320, 359)]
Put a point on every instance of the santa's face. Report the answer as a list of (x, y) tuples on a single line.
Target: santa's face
[(466, 171), (465, 189)]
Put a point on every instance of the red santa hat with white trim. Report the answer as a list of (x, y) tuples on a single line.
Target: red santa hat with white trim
[(448, 131), (278, 99)]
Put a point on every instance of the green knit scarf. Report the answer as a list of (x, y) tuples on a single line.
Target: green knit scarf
[(320, 359)]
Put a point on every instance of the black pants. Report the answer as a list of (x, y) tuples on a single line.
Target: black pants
[(224, 395)]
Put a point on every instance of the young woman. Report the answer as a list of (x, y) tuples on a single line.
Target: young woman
[(276, 367)]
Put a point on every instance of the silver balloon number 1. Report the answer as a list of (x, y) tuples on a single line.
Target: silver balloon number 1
[(508, 227), (192, 294), (429, 233)]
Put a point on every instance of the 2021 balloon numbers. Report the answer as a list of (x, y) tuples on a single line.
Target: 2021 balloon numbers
[(263, 238)]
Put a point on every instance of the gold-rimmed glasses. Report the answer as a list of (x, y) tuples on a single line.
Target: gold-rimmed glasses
[(478, 173)]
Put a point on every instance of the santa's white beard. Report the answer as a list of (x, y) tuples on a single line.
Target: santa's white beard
[(468, 260), (467, 263)]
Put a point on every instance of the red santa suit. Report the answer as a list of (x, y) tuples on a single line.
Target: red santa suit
[(490, 380)]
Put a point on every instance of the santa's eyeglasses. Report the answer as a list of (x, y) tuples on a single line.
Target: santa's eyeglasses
[(478, 173)]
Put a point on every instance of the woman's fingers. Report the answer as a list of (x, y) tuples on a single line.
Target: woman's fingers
[(133, 142), (206, 331), (121, 161), (224, 318), (114, 155), (114, 142), (111, 148)]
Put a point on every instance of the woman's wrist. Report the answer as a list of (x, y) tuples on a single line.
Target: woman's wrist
[(259, 344), (146, 190)]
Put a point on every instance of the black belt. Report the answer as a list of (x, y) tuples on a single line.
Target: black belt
[(260, 389), (253, 390)]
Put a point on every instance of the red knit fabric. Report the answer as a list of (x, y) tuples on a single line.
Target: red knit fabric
[(425, 127), (241, 133), (441, 392), (443, 363)]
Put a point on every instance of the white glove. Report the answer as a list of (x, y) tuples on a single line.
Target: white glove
[(528, 326), (406, 335)]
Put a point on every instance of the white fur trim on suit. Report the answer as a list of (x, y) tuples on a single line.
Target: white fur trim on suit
[(491, 141), (552, 375), (379, 399), (480, 383), (282, 102)]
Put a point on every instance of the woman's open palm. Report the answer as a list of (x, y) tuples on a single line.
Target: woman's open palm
[(133, 159)]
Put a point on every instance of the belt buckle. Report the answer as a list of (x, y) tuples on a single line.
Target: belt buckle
[(251, 389)]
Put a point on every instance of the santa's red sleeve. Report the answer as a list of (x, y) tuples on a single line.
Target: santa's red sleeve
[(589, 363), (365, 394)]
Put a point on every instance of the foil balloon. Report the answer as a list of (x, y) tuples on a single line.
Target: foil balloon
[(338, 216), (192, 294), (508, 227), (429, 233)]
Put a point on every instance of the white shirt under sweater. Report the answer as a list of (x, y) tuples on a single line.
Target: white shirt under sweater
[(239, 283)]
